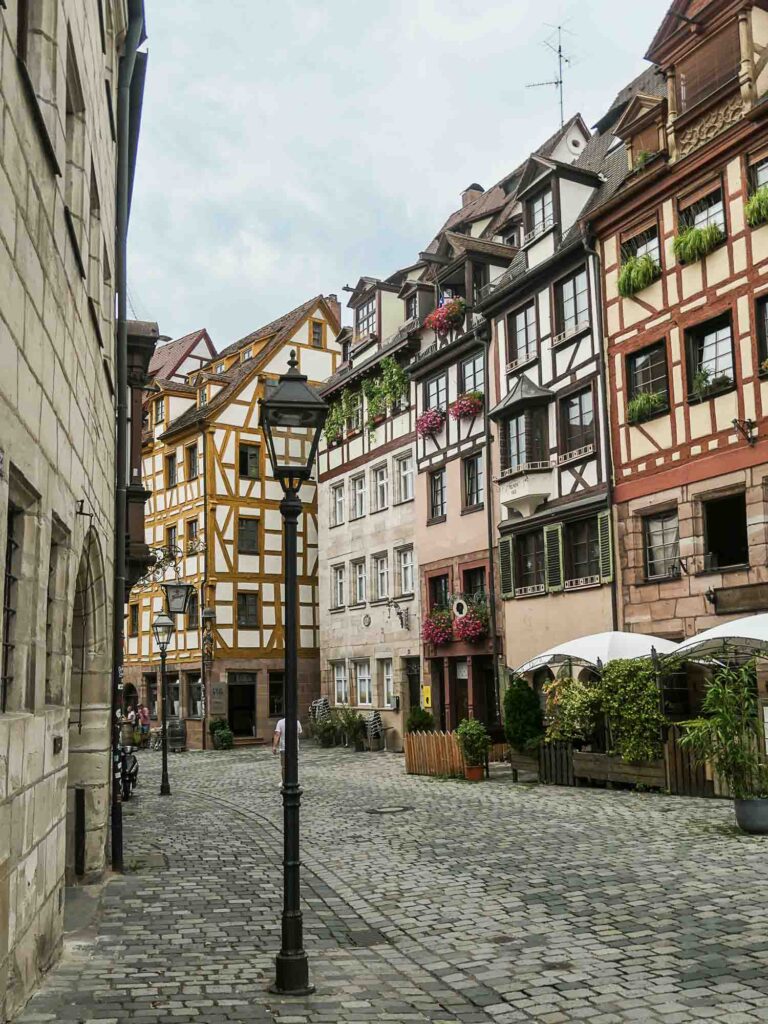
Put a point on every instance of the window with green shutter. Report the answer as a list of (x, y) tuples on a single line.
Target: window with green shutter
[(606, 546), (506, 556), (553, 556)]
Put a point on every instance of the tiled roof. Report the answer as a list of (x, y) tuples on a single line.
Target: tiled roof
[(465, 243), (167, 358), (168, 384), (287, 319)]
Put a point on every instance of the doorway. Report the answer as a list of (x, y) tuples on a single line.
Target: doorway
[(242, 703)]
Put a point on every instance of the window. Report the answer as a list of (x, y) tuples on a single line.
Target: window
[(438, 592), (248, 609), (405, 561), (710, 66), (381, 487), (170, 471), (174, 696), (203, 398), (358, 496), (248, 458), (473, 373), (221, 368), (709, 347), (171, 538), (248, 535), (365, 319), (337, 504), (133, 620), (761, 316), (525, 440), (529, 548), (539, 211), (341, 686), (193, 611), (150, 684), (437, 494), (337, 586), (436, 392), (355, 419), (160, 410), (317, 334), (572, 303), (577, 421), (276, 683), (246, 354), (582, 551), (405, 478), (360, 582), (191, 462), (521, 334), (363, 682), (345, 351), (194, 695), (412, 307), (758, 174), (474, 582), (662, 545), (703, 212), (645, 243), (381, 576), (725, 532), (647, 372), (192, 527), (75, 186), (387, 683), (473, 480)]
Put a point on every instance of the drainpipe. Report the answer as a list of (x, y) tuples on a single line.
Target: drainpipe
[(125, 76), (606, 430), (485, 333), (204, 670)]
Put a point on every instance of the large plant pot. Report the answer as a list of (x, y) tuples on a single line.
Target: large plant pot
[(752, 816), (473, 772)]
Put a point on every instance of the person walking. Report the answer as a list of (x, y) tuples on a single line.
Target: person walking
[(278, 742), (144, 724)]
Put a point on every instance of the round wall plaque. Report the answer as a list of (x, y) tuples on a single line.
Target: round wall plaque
[(366, 621)]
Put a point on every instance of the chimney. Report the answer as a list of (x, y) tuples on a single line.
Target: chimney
[(333, 301), (470, 193)]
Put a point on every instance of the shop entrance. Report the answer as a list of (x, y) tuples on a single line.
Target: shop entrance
[(242, 703)]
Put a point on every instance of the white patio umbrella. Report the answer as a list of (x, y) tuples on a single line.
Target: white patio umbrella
[(742, 638), (600, 648)]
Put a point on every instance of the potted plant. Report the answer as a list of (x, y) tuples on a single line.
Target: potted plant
[(637, 272), (644, 405), (472, 627), (420, 720), (467, 406), (430, 422), (474, 741), (727, 736), (325, 731), (693, 244), (704, 384), (446, 318), (437, 627), (756, 207)]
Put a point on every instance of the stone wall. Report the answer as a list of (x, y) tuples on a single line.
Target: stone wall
[(57, 216)]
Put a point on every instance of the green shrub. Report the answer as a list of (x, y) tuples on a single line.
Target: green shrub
[(217, 724), (474, 740), (223, 739), (523, 721), (637, 272), (573, 709), (420, 720), (693, 244), (705, 384), (631, 702), (756, 207), (325, 730), (645, 404)]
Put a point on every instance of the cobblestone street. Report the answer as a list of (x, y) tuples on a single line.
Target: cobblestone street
[(425, 900)]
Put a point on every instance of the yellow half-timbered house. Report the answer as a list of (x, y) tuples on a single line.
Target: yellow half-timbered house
[(214, 515)]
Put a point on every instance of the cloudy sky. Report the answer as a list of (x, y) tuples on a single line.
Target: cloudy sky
[(289, 146)]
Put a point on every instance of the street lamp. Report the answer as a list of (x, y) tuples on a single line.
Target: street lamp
[(208, 641), (292, 417), (163, 628)]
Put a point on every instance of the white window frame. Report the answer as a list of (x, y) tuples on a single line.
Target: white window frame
[(360, 581), (366, 664), (387, 682), (381, 573), (338, 583), (358, 492), (340, 682), (337, 504), (405, 477), (406, 567), (380, 484)]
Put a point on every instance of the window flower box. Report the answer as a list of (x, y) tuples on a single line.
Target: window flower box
[(467, 406), (645, 405), (437, 627), (430, 422), (471, 628), (446, 318), (694, 244), (705, 385), (756, 208), (637, 273)]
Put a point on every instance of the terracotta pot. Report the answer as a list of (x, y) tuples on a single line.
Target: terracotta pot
[(473, 772)]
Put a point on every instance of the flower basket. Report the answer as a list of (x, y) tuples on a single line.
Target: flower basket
[(437, 628), (694, 244), (637, 273), (446, 318), (430, 422), (470, 628), (467, 406)]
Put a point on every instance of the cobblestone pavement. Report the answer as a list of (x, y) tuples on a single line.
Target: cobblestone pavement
[(494, 902)]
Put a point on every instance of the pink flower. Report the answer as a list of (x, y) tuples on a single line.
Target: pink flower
[(430, 422), (467, 406), (436, 628), (447, 317), (470, 628)]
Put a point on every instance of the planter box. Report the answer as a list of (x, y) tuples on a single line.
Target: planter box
[(523, 763), (609, 768)]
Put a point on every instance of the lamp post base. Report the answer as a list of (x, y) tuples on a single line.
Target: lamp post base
[(292, 975), (165, 789)]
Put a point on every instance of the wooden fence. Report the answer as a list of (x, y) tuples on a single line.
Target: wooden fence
[(556, 764), (433, 753), (684, 777)]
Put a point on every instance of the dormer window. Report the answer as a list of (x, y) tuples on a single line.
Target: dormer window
[(220, 368), (203, 397), (246, 354), (539, 214), (365, 318), (710, 67), (512, 236), (160, 410), (345, 347), (316, 334), (411, 307)]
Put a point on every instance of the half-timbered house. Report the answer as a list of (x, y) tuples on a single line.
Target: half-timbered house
[(684, 248), (214, 516)]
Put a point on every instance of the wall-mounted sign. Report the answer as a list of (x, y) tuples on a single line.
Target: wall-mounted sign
[(426, 695), (218, 700), (750, 598)]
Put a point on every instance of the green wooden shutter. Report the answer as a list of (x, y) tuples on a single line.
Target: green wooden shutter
[(506, 560), (553, 556), (605, 533)]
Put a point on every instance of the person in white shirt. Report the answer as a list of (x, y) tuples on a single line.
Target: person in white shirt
[(278, 742)]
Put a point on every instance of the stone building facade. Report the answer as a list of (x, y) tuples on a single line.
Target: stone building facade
[(58, 152)]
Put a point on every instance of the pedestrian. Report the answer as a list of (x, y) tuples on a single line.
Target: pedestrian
[(278, 742), (144, 724)]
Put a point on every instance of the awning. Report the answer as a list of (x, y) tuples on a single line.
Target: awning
[(740, 639), (599, 649)]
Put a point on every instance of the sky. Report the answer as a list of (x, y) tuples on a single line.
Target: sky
[(290, 146)]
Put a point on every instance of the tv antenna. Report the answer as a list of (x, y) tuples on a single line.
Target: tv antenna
[(561, 60)]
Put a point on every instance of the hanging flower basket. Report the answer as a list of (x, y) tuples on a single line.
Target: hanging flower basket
[(467, 406), (430, 422), (446, 318), (471, 628), (437, 627)]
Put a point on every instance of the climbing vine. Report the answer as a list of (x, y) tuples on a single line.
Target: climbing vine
[(382, 392)]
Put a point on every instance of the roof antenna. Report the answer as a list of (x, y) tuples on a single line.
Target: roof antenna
[(561, 59)]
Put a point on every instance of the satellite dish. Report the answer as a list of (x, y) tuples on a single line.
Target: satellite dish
[(460, 608)]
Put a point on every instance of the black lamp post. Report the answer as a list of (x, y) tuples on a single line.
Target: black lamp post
[(292, 417), (163, 629), (209, 619)]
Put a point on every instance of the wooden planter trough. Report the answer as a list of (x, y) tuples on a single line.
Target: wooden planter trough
[(609, 768), (523, 763)]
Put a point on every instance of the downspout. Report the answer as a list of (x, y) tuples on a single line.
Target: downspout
[(125, 76), (606, 429), (205, 670), (486, 334)]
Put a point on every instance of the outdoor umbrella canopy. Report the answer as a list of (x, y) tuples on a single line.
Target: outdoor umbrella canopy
[(600, 648), (742, 638)]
